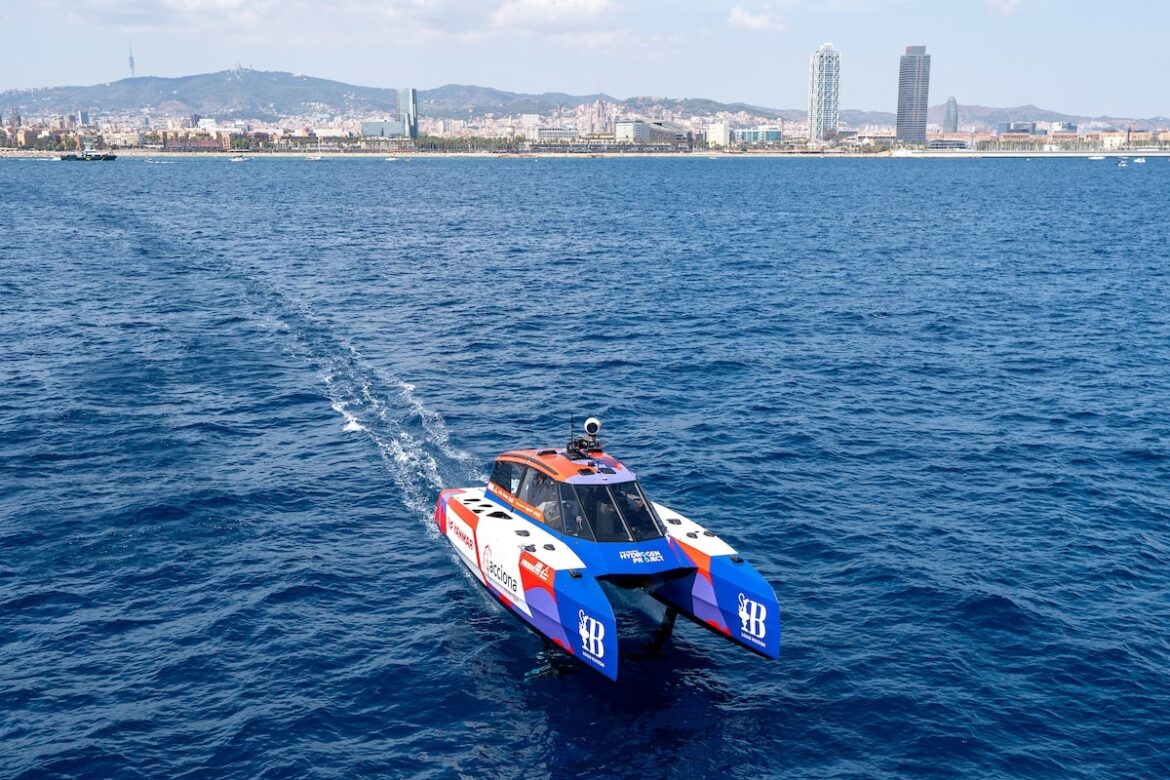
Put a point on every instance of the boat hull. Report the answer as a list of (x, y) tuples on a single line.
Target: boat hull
[(553, 583)]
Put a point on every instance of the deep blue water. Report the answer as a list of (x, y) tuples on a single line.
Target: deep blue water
[(929, 400)]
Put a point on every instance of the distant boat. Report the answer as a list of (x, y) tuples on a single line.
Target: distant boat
[(1097, 157), (1122, 164), (315, 157), (395, 159), (1139, 161), (238, 158), (89, 156)]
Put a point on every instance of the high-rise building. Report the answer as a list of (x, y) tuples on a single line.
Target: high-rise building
[(951, 117), (913, 95), (719, 134), (406, 123), (824, 87), (408, 111)]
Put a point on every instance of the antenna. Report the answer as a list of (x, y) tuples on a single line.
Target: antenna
[(131, 60)]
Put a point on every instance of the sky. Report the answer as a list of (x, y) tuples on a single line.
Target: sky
[(1076, 56)]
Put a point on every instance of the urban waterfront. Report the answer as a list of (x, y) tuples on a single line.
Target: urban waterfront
[(931, 399)]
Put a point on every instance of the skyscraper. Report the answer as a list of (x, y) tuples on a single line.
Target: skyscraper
[(408, 111), (913, 95), (824, 85), (951, 117)]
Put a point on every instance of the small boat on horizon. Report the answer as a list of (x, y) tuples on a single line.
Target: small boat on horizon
[(1139, 161), (89, 155), (1097, 157), (238, 158)]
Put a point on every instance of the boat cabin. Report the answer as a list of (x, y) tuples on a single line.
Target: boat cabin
[(594, 498)]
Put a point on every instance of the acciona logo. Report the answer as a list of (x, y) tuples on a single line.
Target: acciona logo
[(751, 617), (592, 633), (496, 573)]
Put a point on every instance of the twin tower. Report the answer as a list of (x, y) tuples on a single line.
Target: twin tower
[(824, 89)]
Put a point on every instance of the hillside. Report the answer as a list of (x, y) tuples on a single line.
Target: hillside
[(229, 94), (268, 95)]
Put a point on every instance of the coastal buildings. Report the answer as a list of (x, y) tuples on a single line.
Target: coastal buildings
[(405, 125), (824, 84), (719, 134), (913, 95), (650, 132), (951, 116), (763, 135)]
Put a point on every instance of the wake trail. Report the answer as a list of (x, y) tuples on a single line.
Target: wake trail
[(412, 439)]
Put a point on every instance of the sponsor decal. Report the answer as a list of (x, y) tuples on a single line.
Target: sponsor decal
[(540, 569), (751, 619), (639, 556), (459, 533), (515, 503), (592, 633), (497, 573)]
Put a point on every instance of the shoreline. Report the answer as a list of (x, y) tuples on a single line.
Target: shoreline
[(963, 154)]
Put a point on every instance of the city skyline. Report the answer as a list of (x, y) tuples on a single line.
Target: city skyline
[(622, 49)]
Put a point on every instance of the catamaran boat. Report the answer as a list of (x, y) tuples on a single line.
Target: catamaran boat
[(559, 535)]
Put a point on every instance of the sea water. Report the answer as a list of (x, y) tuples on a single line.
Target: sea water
[(928, 400)]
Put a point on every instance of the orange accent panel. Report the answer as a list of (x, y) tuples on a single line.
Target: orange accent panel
[(557, 466), (701, 561), (535, 573), (465, 514)]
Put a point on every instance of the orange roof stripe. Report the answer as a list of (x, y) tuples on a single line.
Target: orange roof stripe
[(557, 465)]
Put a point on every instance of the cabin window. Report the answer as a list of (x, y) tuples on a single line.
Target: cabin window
[(613, 513), (569, 517), (538, 488), (507, 475), (636, 510), (540, 491)]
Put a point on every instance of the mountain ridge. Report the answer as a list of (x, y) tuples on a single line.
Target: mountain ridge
[(270, 95)]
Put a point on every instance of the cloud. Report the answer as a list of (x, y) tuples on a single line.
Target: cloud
[(759, 21), (162, 14), (591, 25), (555, 15), (1003, 7)]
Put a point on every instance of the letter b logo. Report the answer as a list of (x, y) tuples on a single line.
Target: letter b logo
[(592, 633), (751, 617)]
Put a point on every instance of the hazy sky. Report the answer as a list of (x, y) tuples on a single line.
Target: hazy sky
[(1077, 56)]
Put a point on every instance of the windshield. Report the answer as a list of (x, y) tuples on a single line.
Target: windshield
[(609, 513)]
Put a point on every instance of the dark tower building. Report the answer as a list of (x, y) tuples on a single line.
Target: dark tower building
[(913, 95), (408, 111), (951, 117)]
